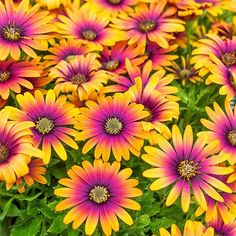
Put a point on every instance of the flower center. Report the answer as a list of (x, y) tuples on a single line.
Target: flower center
[(89, 34), (185, 74), (187, 169), (232, 137), (147, 25), (150, 116), (114, 2), (11, 32), (3, 152), (44, 125), (111, 65), (113, 125), (78, 79), (229, 59), (4, 75), (99, 194)]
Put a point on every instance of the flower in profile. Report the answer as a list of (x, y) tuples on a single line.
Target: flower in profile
[(152, 22), (81, 74), (111, 124), (23, 28), (98, 192), (123, 83), (51, 117), (35, 174), (193, 228), (16, 148), (184, 72), (16, 74), (65, 50), (221, 128), (187, 166), (160, 109), (113, 58), (160, 56), (88, 26)]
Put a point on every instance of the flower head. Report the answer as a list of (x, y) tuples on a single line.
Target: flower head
[(51, 117), (187, 166), (222, 128), (111, 124), (98, 192), (23, 28)]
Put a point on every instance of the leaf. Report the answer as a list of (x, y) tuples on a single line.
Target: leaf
[(6, 208), (48, 212), (161, 222), (57, 225), (144, 220)]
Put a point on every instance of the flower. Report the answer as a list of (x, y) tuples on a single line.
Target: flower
[(23, 27), (54, 4), (89, 27), (113, 58), (36, 172), (98, 192), (221, 129), (193, 228), (50, 117), (81, 74), (185, 72), (187, 166), (123, 83), (152, 22), (16, 148), (15, 74), (111, 124), (65, 50)]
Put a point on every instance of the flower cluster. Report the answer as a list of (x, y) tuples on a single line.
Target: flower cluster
[(99, 90)]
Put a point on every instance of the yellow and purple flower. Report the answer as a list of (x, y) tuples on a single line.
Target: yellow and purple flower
[(23, 28), (16, 148), (14, 75), (51, 117), (186, 166), (153, 22), (112, 124), (81, 74), (222, 129), (98, 193)]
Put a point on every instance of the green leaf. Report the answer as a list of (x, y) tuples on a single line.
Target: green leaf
[(48, 212), (6, 208), (144, 220), (57, 225)]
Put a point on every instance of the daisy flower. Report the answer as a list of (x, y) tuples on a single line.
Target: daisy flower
[(98, 193), (65, 50), (88, 26), (111, 124), (123, 83), (35, 174), (51, 117), (14, 75), (113, 58), (184, 72), (222, 128), (23, 28), (16, 148), (81, 74), (152, 22), (193, 228), (186, 166), (160, 56)]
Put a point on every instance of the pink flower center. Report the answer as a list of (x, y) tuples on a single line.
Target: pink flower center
[(232, 137), (113, 125), (11, 32), (44, 125), (111, 65), (89, 35), (187, 169), (147, 26), (229, 59), (3, 152), (99, 194), (114, 2), (4, 76), (79, 79)]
